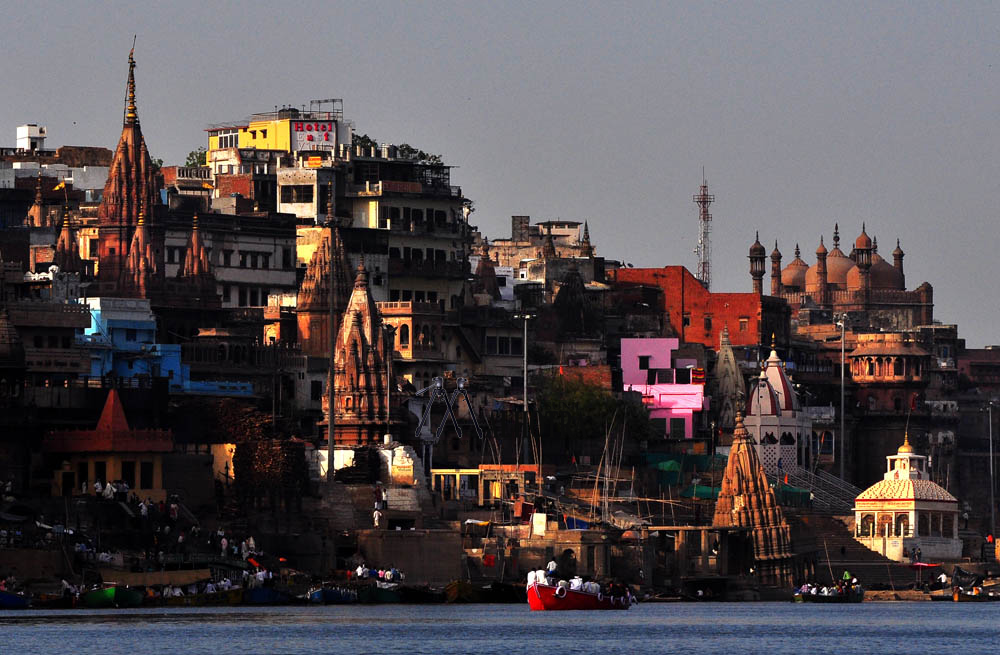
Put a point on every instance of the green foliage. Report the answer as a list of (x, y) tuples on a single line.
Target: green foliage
[(157, 165), (197, 157), (576, 411), (406, 151), (363, 140)]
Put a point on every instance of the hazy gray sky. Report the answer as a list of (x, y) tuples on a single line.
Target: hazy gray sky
[(803, 114)]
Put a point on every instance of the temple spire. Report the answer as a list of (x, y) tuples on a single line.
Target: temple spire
[(131, 116)]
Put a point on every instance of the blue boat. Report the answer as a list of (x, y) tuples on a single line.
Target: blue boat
[(9, 601), (333, 596)]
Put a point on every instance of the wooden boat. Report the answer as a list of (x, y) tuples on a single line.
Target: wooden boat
[(265, 596), (333, 596), (10, 601), (549, 597), (54, 601), (380, 593), (421, 595), (856, 595), (229, 597), (961, 596), (112, 596)]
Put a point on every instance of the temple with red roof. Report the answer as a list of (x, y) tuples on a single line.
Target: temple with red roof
[(111, 451)]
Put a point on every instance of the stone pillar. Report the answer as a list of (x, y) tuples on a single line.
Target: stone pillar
[(706, 552)]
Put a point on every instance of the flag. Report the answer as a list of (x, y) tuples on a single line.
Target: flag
[(61, 185), (786, 478), (207, 185)]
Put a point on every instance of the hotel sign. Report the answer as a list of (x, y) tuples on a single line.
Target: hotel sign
[(314, 135)]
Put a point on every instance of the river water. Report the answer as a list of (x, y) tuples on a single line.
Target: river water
[(696, 628)]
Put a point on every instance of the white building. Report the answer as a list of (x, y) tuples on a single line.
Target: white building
[(906, 511), (775, 420)]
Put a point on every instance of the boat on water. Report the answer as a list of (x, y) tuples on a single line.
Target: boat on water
[(228, 597), (380, 593), (11, 601), (332, 596), (111, 596), (855, 595), (586, 596), (974, 595)]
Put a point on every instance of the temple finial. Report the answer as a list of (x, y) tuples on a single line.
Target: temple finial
[(836, 235), (131, 116)]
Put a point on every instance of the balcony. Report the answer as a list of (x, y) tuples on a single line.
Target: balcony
[(409, 308)]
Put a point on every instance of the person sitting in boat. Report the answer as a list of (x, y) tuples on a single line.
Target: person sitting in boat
[(210, 588)]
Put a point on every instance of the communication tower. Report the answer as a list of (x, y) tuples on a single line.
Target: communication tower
[(704, 248)]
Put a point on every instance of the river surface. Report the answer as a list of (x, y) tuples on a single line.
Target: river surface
[(696, 628)]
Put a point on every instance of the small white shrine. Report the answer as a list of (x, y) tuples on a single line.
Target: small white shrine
[(906, 510), (774, 418)]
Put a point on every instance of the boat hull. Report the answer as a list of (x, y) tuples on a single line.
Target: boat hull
[(543, 597), (854, 597), (9, 601)]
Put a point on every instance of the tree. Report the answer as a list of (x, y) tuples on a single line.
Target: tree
[(579, 415), (197, 157), (406, 151), (363, 140)]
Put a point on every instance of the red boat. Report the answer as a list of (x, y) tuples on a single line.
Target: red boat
[(549, 597)]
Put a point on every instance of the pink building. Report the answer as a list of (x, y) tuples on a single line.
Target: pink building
[(666, 385)]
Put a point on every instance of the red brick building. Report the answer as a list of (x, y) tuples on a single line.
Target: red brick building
[(697, 315)]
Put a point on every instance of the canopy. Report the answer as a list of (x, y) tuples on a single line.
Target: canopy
[(704, 492)]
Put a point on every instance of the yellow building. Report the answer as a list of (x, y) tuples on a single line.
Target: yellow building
[(111, 451), (287, 129)]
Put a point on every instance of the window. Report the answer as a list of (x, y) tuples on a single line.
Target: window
[(316, 390), (226, 293), (145, 475), (130, 334), (682, 376), (297, 193), (253, 260), (503, 345), (242, 294), (128, 473), (394, 295), (686, 320), (643, 362), (418, 296), (676, 428), (708, 324), (92, 246), (516, 346), (407, 295), (243, 260), (286, 258), (432, 296), (744, 324), (491, 345), (404, 336), (101, 471)]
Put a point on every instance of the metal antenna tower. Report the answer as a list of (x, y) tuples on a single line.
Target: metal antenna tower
[(704, 247)]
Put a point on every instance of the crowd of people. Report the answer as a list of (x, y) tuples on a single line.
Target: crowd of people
[(848, 584), (391, 574)]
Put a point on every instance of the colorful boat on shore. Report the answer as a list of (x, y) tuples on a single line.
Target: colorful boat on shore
[(543, 596)]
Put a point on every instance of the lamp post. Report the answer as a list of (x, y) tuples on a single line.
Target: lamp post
[(993, 522), (842, 324), (525, 317)]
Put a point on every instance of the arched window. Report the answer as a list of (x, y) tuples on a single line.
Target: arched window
[(871, 367), (902, 525), (347, 404), (404, 336), (897, 366), (867, 525)]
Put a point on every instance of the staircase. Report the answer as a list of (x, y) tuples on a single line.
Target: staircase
[(837, 551), (829, 494)]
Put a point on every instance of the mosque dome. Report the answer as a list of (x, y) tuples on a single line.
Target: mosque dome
[(883, 275), (757, 249), (794, 275), (863, 242), (838, 265)]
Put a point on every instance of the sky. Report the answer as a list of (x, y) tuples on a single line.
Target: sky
[(803, 114)]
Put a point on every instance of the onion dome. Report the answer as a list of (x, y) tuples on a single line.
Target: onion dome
[(898, 252), (863, 242), (794, 275), (776, 254), (757, 249)]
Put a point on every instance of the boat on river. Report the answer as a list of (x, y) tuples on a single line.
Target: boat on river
[(227, 597), (854, 595), (111, 596), (10, 601), (543, 596)]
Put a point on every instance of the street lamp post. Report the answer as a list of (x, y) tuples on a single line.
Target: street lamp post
[(993, 521), (525, 317), (842, 324)]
